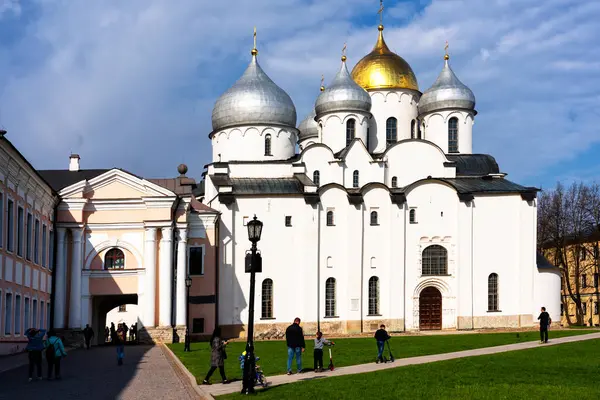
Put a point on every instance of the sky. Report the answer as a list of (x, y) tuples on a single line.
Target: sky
[(131, 84)]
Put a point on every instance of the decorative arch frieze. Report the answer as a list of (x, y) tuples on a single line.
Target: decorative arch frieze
[(112, 243)]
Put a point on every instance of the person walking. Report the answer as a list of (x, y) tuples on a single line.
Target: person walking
[(55, 351), (381, 336), (88, 334), (294, 337), (217, 356), (125, 329), (120, 336), (106, 334), (545, 322), (113, 332), (35, 346)]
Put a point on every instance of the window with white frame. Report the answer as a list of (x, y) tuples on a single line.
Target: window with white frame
[(330, 262), (317, 178), (355, 179), (27, 313), (29, 236), (330, 220), (391, 131), (44, 245), (10, 225), (350, 131), (374, 218), (412, 216), (434, 260), (20, 228), (8, 314), (453, 135), (394, 181), (36, 242), (47, 315), (330, 297), (42, 311), (374, 295), (18, 321), (196, 261), (34, 314), (51, 250), (1, 219)]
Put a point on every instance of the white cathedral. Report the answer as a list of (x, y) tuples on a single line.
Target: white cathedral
[(383, 215)]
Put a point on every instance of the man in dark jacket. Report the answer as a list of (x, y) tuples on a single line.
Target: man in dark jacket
[(545, 322), (88, 334), (381, 336), (295, 344)]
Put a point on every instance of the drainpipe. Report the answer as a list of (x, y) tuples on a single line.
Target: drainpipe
[(174, 260), (53, 261), (472, 279), (362, 264), (319, 266), (217, 250), (404, 275)]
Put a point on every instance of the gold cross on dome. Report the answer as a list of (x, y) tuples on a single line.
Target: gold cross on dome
[(380, 12)]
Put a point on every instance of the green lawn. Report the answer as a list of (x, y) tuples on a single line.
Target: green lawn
[(567, 371), (273, 354)]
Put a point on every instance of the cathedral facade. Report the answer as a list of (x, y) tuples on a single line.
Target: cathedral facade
[(375, 208)]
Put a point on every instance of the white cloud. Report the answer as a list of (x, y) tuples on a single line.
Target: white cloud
[(10, 6)]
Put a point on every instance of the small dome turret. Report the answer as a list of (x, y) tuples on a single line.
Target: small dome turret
[(309, 127)]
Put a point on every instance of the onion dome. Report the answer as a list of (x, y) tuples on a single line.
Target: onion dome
[(383, 69), (254, 100), (309, 127), (447, 92), (343, 94)]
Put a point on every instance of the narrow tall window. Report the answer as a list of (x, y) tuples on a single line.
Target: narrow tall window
[(330, 221), (493, 292), (268, 145), (394, 182), (114, 259), (1, 220), (196, 261), (18, 315), (47, 316), (595, 251), (51, 250), (584, 308), (44, 245), (267, 298), (374, 219), (435, 260), (583, 253), (36, 242), (34, 321), (374, 295), (288, 220), (42, 311), (330, 297), (453, 135), (8, 314), (596, 308), (350, 131), (27, 314), (355, 179), (583, 281), (317, 178), (412, 129), (20, 228), (391, 131), (412, 216), (10, 228), (595, 280), (29, 236)]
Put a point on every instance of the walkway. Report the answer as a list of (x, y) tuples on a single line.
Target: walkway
[(94, 375), (219, 389)]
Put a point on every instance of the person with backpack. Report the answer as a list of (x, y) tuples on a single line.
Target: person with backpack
[(35, 346), (381, 336), (55, 351)]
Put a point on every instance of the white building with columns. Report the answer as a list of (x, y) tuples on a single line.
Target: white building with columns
[(375, 209)]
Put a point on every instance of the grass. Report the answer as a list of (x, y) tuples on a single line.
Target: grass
[(566, 371), (273, 354)]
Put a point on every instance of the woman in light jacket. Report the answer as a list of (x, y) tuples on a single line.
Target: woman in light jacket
[(54, 357)]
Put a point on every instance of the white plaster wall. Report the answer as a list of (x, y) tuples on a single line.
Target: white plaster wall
[(318, 158), (130, 316), (333, 128), (398, 103), (358, 159), (436, 129), (248, 143), (260, 170), (547, 294)]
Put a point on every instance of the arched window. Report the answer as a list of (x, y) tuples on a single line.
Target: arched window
[(267, 298), (374, 219), (493, 292), (350, 131), (374, 295), (355, 179), (330, 297), (412, 216), (394, 181), (330, 218), (435, 260), (391, 131), (268, 145), (317, 178), (412, 129), (114, 259), (453, 135)]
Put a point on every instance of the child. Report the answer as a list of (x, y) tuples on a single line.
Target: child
[(381, 336), (318, 353)]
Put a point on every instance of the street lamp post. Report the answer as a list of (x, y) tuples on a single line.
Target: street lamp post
[(188, 284), (254, 232)]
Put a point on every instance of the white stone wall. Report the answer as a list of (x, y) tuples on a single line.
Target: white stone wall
[(247, 143), (436, 129), (398, 103), (333, 128), (129, 316)]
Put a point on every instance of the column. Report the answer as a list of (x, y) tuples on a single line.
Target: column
[(60, 296), (181, 275), (165, 270), (76, 265), (148, 314)]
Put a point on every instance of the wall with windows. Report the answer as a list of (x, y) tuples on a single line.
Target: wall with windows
[(439, 129), (254, 143), (338, 130)]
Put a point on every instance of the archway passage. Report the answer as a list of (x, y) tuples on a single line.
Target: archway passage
[(430, 309), (101, 305)]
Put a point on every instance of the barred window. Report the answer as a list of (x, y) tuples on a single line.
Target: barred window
[(374, 218), (114, 259), (435, 260), (412, 129), (317, 178), (268, 145), (374, 295), (412, 216), (330, 221), (391, 131), (355, 181), (493, 292), (330, 297), (453, 135), (350, 131), (394, 181), (267, 298)]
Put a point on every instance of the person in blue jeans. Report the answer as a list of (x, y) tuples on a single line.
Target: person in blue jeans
[(120, 342), (381, 336), (294, 336)]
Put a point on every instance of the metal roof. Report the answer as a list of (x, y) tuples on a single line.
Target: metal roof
[(486, 185), (266, 186), (543, 263), (474, 164), (62, 178)]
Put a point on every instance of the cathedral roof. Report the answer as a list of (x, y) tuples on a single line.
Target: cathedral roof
[(474, 164)]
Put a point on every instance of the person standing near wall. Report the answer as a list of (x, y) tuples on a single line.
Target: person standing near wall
[(55, 351), (294, 337), (88, 334), (35, 346)]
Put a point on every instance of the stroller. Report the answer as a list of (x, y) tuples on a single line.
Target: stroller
[(259, 377)]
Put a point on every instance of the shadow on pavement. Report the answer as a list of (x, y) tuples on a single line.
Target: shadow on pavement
[(86, 374)]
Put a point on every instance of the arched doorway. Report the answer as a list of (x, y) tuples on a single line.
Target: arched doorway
[(102, 305), (430, 309)]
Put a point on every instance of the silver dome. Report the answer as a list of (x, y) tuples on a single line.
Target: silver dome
[(309, 127), (254, 99), (343, 95), (447, 92)]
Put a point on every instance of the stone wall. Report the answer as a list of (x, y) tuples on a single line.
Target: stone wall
[(156, 335), (495, 321)]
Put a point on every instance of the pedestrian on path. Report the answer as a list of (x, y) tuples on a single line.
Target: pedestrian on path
[(318, 352), (88, 334), (113, 333), (381, 336), (120, 336), (55, 351), (106, 334), (294, 337), (217, 356), (35, 346), (545, 322)]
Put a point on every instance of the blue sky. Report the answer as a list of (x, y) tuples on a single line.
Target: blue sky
[(132, 84)]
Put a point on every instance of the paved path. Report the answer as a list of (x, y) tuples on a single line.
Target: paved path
[(94, 375), (219, 389)]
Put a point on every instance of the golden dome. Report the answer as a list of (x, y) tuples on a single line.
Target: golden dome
[(383, 69)]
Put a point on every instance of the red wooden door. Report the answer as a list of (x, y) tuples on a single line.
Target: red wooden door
[(430, 309)]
